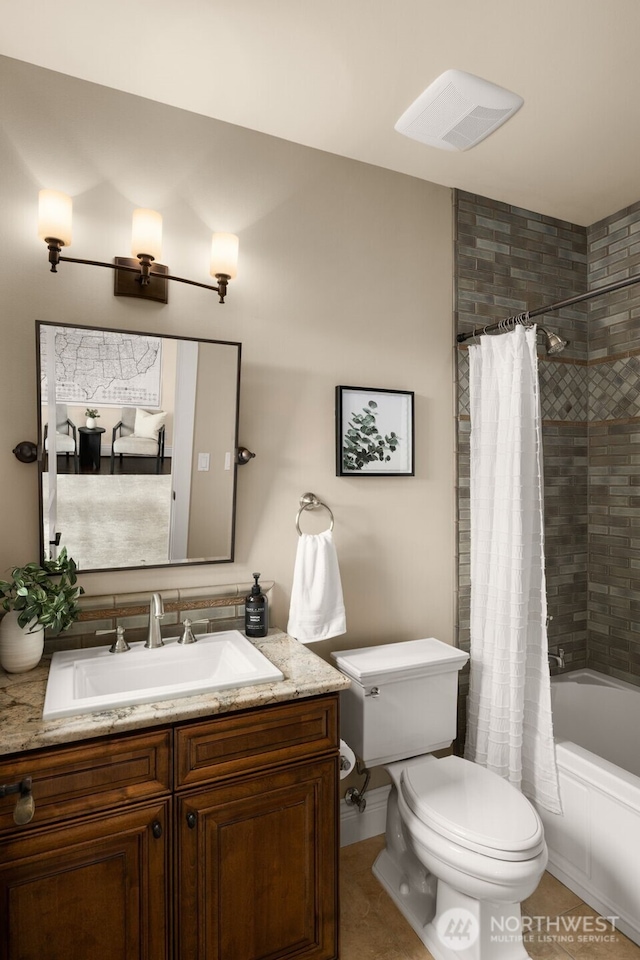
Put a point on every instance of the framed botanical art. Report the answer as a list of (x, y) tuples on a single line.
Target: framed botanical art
[(374, 432)]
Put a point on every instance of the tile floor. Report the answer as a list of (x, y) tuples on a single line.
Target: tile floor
[(373, 929)]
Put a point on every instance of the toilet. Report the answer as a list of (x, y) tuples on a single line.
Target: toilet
[(463, 846)]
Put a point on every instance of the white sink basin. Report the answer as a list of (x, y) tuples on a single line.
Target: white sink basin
[(84, 681)]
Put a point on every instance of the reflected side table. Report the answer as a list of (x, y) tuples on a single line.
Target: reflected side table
[(90, 440)]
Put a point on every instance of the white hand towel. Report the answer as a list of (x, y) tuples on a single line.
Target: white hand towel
[(317, 606)]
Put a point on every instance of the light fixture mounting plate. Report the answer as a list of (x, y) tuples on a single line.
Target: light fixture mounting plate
[(127, 283)]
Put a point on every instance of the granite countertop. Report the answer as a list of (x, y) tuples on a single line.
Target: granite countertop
[(22, 700)]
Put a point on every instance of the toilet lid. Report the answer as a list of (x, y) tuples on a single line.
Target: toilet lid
[(393, 662), (473, 807)]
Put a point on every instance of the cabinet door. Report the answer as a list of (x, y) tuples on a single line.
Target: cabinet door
[(257, 867), (93, 890)]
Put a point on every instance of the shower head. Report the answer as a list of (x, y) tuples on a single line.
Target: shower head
[(552, 342)]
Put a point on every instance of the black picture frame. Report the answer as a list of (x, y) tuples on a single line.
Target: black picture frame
[(374, 432)]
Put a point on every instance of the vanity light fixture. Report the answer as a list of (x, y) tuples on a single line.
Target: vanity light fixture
[(140, 276)]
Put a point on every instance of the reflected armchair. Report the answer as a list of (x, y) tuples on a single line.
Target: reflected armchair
[(66, 435), (138, 433)]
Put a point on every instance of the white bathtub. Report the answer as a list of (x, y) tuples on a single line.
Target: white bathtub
[(594, 847)]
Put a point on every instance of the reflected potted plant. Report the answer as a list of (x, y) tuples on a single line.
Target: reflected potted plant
[(92, 416), (37, 597)]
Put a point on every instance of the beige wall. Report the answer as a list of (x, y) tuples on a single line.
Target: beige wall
[(345, 277)]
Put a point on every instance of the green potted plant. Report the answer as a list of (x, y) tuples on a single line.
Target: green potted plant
[(37, 597), (92, 415)]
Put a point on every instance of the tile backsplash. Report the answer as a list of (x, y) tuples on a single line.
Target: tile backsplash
[(222, 606)]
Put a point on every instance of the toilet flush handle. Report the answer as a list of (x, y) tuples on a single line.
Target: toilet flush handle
[(374, 692)]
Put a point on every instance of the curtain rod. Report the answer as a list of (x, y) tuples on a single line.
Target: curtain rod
[(523, 317)]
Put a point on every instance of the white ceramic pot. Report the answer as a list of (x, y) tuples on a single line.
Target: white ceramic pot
[(19, 650), (91, 423)]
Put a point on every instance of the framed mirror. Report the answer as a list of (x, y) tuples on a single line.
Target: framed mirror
[(150, 479)]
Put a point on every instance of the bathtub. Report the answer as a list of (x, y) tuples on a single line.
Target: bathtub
[(594, 846)]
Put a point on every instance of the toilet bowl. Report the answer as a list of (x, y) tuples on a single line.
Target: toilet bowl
[(463, 846), (474, 822), (479, 838)]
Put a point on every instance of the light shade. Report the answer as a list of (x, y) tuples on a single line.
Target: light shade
[(146, 234), (224, 255), (54, 216)]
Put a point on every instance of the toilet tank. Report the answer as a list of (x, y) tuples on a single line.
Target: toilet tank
[(402, 701)]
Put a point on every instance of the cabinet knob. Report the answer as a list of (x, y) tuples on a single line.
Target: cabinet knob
[(191, 820), (156, 829)]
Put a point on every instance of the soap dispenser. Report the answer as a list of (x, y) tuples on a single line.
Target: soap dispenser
[(256, 611)]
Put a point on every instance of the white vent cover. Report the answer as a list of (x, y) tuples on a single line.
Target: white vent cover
[(457, 111)]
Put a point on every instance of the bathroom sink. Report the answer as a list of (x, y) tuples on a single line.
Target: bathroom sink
[(84, 681)]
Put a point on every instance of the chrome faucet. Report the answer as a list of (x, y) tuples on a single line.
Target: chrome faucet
[(557, 658), (156, 613)]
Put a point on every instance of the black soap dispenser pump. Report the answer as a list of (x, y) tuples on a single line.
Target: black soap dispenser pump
[(256, 611)]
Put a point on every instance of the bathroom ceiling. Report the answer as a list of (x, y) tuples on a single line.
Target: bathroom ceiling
[(337, 75)]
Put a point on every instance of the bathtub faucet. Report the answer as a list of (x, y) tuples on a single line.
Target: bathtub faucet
[(557, 658)]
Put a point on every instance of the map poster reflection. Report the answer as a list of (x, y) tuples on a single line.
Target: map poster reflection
[(98, 367), (147, 512)]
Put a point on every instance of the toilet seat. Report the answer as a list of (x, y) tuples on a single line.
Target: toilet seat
[(472, 808)]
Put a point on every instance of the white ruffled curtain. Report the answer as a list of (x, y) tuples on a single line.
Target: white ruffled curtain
[(510, 728)]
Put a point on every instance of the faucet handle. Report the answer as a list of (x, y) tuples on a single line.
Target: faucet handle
[(188, 635), (119, 645)]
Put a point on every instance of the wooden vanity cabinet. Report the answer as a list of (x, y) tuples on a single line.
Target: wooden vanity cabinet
[(89, 876), (213, 840), (257, 838)]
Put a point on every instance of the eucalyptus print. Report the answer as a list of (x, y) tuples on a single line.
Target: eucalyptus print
[(363, 443)]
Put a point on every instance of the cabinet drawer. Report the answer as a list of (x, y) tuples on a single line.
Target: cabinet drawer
[(255, 740), (72, 781)]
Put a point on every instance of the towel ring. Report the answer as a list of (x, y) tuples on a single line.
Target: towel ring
[(309, 502)]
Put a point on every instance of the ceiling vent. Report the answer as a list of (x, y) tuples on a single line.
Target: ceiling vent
[(457, 111)]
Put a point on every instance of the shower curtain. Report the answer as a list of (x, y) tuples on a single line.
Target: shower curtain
[(510, 727)]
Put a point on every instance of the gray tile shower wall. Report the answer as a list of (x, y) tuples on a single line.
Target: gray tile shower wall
[(510, 260), (613, 644)]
